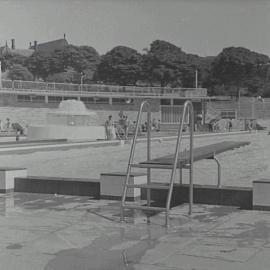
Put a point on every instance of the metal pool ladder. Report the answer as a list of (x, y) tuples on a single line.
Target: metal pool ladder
[(188, 113)]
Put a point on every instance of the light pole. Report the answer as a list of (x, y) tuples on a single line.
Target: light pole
[(196, 78), (82, 77), (265, 83), (0, 75), (239, 95)]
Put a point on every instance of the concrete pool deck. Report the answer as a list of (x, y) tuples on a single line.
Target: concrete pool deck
[(47, 232)]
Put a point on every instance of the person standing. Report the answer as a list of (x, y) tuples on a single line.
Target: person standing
[(7, 125), (230, 125), (109, 128), (126, 126)]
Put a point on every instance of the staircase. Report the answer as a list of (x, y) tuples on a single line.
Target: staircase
[(148, 165)]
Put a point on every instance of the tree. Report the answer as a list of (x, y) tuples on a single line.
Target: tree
[(121, 65), (19, 72), (167, 65), (83, 58), (39, 64), (237, 67), (69, 76)]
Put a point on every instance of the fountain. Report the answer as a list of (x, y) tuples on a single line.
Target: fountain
[(70, 121)]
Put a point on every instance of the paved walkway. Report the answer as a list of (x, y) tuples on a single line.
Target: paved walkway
[(76, 233)]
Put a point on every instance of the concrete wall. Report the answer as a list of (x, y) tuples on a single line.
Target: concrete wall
[(32, 113), (66, 132)]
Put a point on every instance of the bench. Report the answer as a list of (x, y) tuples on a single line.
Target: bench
[(261, 199), (199, 153), (112, 184), (7, 176)]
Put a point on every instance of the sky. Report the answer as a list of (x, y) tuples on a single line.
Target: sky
[(202, 27)]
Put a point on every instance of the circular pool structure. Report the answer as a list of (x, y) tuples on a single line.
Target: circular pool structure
[(70, 121)]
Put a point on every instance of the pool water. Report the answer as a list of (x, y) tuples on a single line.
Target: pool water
[(239, 167)]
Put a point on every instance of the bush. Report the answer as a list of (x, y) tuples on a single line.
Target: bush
[(19, 72)]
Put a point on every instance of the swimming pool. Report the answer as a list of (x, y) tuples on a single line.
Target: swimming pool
[(239, 167)]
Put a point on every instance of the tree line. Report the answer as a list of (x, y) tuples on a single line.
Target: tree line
[(233, 70)]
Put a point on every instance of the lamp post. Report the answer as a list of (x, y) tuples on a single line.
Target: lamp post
[(239, 95), (196, 78), (0, 75), (266, 75), (82, 77)]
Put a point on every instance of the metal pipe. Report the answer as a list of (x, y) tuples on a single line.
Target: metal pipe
[(187, 105), (148, 157), (191, 124), (180, 176), (131, 156), (219, 171)]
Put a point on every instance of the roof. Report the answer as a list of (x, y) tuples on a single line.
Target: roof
[(5, 50), (51, 45), (23, 52)]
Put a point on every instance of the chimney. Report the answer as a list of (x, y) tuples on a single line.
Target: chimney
[(30, 45), (35, 45), (13, 44), (64, 36)]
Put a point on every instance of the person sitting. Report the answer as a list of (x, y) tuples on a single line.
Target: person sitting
[(154, 124), (249, 126), (146, 126), (143, 128)]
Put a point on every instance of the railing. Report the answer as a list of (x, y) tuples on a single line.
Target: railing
[(172, 114), (99, 88), (187, 111)]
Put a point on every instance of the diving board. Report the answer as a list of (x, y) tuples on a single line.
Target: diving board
[(204, 152)]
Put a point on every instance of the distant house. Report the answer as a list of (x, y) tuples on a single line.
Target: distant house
[(47, 47), (50, 46), (22, 52), (7, 51)]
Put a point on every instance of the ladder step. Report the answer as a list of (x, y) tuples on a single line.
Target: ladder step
[(141, 207), (150, 186)]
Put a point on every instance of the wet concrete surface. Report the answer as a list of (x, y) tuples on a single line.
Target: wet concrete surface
[(52, 232)]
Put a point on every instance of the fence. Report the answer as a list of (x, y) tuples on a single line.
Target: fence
[(99, 88), (172, 114)]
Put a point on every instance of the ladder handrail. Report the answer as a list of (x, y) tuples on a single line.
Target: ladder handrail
[(131, 156), (188, 108), (187, 105)]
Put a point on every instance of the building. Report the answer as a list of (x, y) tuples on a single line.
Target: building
[(166, 103), (5, 50), (47, 47), (50, 46), (9, 51)]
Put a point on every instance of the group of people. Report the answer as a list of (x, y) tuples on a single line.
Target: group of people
[(122, 128), (12, 127), (118, 130), (155, 125)]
